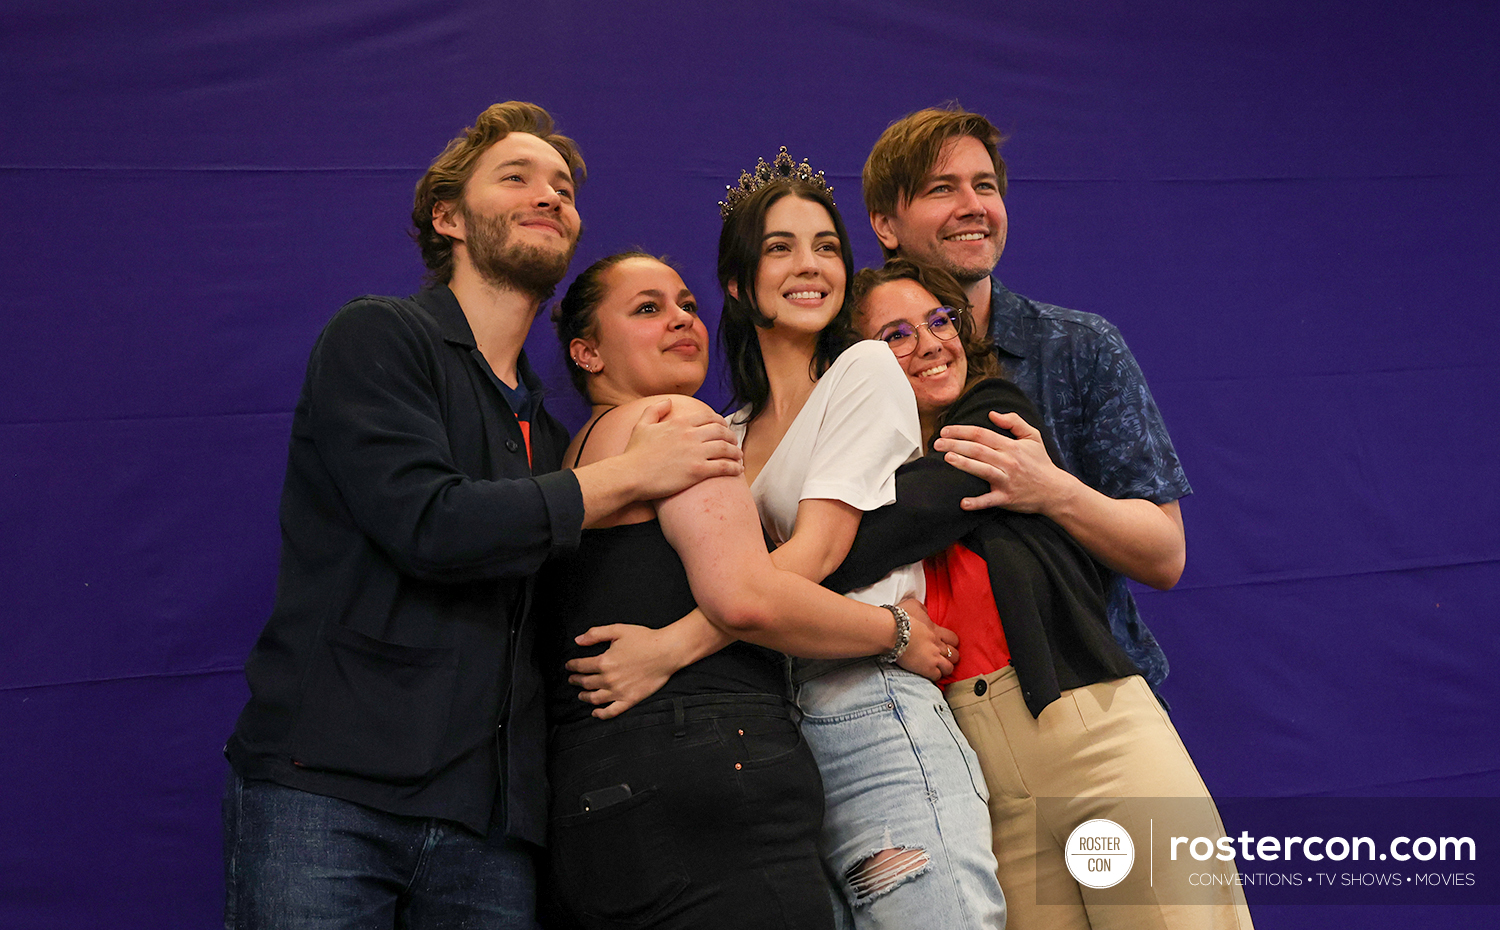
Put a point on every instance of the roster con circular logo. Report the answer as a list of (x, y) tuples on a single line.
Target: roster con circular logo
[(1099, 853)]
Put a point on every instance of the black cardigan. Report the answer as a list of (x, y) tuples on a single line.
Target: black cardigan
[(1049, 591)]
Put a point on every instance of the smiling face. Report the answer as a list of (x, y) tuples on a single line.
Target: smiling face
[(517, 225), (936, 368), (956, 219), (800, 278), (646, 337)]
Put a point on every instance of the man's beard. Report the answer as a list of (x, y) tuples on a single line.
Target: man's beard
[(530, 269), (965, 274), (968, 274)]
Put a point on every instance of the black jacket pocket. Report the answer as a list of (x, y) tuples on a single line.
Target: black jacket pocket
[(374, 709)]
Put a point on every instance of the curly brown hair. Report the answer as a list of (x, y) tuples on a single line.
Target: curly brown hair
[(979, 352)]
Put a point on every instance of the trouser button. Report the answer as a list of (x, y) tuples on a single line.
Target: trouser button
[(980, 687)]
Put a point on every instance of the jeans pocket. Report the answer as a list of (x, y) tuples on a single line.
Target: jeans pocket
[(971, 761), (614, 862), (762, 742), (374, 709)]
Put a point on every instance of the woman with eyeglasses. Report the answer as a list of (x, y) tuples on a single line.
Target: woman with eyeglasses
[(1065, 728)]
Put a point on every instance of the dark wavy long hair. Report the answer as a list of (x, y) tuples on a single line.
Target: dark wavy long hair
[(739, 259)]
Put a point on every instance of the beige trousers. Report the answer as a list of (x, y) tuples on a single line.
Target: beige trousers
[(1103, 751)]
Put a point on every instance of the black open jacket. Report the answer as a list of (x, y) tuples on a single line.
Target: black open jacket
[(396, 669), (1050, 593)]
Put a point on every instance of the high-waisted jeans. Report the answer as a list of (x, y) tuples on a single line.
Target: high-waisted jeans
[(689, 812), (900, 776)]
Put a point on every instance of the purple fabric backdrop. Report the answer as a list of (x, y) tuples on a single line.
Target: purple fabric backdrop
[(1287, 208)]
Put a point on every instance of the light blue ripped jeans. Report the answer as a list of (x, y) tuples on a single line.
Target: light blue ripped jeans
[(899, 775)]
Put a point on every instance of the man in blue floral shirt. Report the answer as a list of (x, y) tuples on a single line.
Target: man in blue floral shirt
[(934, 186)]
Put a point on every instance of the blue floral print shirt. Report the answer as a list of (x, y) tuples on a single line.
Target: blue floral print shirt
[(1076, 368)]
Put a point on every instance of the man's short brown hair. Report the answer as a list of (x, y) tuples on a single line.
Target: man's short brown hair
[(445, 180), (905, 153)]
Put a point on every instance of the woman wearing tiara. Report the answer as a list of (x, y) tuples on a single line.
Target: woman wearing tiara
[(701, 807), (825, 422)]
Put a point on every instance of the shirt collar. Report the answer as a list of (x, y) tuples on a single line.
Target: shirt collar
[(444, 307), (529, 377), (440, 302), (1009, 321)]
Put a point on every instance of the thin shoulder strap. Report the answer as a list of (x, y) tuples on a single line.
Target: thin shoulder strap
[(589, 432)]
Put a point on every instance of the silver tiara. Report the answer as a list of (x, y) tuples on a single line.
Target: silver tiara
[(782, 169)]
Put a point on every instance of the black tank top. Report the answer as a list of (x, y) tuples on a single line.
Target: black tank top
[(631, 574)]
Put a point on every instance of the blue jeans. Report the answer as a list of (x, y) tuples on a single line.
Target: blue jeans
[(901, 783), (295, 861)]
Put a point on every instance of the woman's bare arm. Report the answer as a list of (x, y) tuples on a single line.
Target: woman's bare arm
[(824, 532), (715, 529)]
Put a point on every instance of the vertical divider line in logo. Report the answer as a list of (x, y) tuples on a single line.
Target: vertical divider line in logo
[(1151, 849)]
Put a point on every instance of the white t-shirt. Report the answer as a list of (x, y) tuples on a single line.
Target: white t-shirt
[(858, 426)]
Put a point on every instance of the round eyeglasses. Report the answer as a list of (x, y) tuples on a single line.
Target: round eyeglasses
[(942, 322)]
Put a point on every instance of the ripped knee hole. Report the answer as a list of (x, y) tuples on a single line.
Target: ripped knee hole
[(885, 870)]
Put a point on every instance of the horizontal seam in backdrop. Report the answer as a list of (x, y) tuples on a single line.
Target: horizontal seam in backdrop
[(1437, 779), (1279, 577), (190, 673), (147, 417), (715, 174)]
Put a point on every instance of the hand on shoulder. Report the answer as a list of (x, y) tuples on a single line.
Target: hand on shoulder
[(675, 441), (619, 428)]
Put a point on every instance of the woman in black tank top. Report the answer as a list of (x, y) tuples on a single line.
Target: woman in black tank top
[(702, 806)]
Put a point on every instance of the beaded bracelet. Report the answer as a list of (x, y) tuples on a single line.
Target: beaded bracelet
[(903, 633)]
